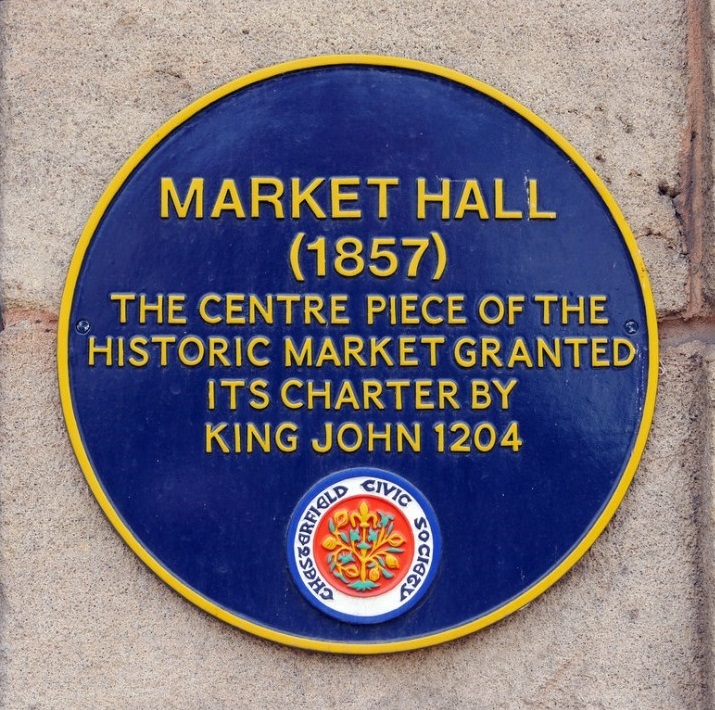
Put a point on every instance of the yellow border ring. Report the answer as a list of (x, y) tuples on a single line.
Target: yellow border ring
[(76, 438)]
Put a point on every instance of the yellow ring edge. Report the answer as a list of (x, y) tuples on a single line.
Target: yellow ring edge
[(203, 603)]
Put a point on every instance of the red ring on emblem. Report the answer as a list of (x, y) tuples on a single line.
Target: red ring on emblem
[(364, 546)]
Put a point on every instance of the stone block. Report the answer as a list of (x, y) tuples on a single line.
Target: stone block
[(85, 82), (86, 625)]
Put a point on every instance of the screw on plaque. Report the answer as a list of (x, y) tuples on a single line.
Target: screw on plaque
[(631, 327), (82, 327)]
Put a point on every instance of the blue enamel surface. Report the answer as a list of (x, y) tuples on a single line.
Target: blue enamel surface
[(218, 523)]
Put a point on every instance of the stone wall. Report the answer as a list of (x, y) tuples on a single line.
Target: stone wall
[(84, 624)]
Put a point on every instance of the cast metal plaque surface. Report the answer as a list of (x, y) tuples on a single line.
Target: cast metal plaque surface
[(358, 354)]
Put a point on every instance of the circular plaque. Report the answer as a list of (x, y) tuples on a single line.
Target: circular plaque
[(358, 354)]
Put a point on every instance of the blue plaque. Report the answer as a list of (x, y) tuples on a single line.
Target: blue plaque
[(358, 354)]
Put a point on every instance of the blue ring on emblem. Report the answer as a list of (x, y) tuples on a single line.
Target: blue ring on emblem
[(435, 542)]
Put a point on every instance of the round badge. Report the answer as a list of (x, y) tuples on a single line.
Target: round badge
[(363, 545), (375, 267)]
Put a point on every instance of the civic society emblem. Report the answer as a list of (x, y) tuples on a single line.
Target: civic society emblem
[(363, 545)]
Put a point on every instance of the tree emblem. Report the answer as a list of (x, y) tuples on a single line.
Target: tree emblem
[(364, 547)]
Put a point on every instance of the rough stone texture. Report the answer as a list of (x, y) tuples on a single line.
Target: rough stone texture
[(83, 624), (86, 625), (707, 517), (86, 81), (705, 66)]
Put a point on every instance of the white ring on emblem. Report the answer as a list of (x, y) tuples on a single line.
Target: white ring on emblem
[(320, 591)]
